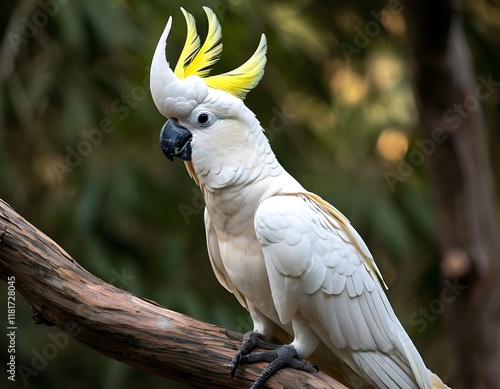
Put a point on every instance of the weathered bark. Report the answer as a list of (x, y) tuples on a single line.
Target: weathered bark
[(120, 325), (449, 97)]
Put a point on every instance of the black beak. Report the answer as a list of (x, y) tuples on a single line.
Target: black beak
[(175, 141)]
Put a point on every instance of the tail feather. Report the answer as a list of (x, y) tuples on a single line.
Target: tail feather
[(384, 370), (331, 365), (415, 361)]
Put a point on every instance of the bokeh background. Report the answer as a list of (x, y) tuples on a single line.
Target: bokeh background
[(337, 107)]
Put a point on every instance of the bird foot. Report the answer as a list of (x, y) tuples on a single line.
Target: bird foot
[(249, 341), (277, 356)]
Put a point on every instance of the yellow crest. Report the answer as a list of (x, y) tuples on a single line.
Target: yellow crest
[(196, 60)]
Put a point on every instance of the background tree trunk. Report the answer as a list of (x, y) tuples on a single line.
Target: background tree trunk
[(452, 127), (120, 325)]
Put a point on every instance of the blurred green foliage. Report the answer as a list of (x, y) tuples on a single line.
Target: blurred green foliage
[(111, 199)]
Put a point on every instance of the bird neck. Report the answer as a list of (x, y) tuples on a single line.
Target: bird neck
[(240, 161), (232, 203)]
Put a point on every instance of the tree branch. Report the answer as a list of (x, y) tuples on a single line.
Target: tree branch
[(120, 325)]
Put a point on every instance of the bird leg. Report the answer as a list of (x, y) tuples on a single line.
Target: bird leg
[(249, 341), (277, 356)]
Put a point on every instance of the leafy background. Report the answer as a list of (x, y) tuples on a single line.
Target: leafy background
[(339, 121)]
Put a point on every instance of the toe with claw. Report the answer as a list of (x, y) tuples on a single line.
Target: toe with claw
[(284, 356), (277, 356), (250, 341)]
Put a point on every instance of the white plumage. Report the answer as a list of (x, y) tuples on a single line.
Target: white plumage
[(317, 271), (290, 258)]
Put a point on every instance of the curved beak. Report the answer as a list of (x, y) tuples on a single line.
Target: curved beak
[(175, 141)]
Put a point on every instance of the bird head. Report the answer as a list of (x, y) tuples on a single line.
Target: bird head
[(208, 123)]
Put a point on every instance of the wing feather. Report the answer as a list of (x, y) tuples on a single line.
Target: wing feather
[(320, 268), (377, 328), (339, 282), (313, 278), (333, 328), (383, 371), (357, 281)]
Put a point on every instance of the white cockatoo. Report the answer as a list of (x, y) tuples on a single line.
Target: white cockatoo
[(290, 258)]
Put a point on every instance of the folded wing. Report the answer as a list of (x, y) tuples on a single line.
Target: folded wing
[(319, 267)]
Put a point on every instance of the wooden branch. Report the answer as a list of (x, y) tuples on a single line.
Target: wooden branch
[(122, 326)]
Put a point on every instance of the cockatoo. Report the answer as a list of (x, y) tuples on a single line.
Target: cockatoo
[(290, 258)]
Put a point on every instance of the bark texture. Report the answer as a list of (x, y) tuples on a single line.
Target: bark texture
[(122, 326)]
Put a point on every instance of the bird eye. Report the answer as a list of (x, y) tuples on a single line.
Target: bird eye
[(203, 118)]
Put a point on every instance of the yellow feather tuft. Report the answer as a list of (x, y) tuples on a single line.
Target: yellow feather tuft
[(244, 78), (211, 49), (197, 61), (190, 48)]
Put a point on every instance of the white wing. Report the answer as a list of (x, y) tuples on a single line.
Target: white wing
[(320, 268)]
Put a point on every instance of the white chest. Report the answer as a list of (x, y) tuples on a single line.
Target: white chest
[(244, 264), (239, 256)]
